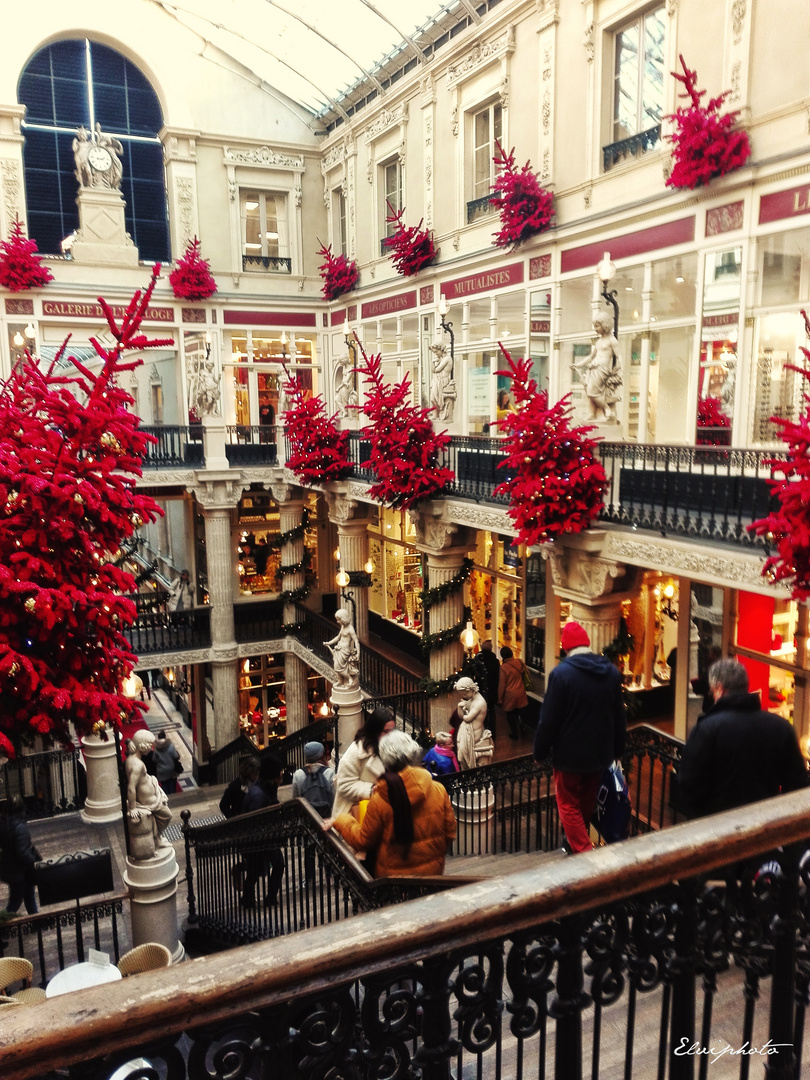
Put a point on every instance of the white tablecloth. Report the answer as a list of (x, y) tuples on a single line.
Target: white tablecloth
[(80, 976)]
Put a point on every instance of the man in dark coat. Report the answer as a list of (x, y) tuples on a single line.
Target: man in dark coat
[(492, 666), (582, 724), (737, 753), (17, 857)]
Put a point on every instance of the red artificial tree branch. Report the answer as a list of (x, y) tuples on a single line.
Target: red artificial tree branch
[(525, 207), (70, 454), (788, 526), (192, 279), (20, 265), (412, 247), (705, 143), (338, 273), (318, 449), (404, 447), (555, 483)]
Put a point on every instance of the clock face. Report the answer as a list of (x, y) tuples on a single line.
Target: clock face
[(99, 158)]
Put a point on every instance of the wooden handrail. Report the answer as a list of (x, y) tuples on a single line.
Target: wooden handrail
[(270, 973)]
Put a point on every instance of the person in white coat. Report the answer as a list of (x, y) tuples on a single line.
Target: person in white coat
[(360, 767)]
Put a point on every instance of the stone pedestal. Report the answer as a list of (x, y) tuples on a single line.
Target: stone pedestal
[(153, 906), (102, 238), (215, 437), (103, 802), (349, 702), (475, 818)]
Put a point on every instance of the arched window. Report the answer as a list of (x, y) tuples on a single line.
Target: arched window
[(74, 83)]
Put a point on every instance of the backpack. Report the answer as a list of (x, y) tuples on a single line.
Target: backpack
[(317, 790)]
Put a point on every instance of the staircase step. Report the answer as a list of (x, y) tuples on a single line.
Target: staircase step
[(498, 865)]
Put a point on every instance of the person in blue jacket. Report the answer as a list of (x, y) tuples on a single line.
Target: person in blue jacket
[(583, 726), (440, 759)]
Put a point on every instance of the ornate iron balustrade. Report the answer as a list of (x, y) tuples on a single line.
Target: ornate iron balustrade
[(223, 765), (633, 962), (252, 445), (475, 460), (52, 782), (359, 451), (635, 145), (700, 493), (509, 806), (412, 712), (276, 264), (176, 446), (480, 208), (157, 631), (54, 939), (313, 630), (258, 620)]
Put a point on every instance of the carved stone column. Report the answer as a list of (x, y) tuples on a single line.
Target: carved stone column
[(290, 513), (446, 546), (217, 494), (352, 526), (595, 586)]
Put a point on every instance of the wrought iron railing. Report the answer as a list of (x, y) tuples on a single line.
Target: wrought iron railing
[(412, 712), (176, 445), (475, 460), (275, 872), (223, 764), (634, 145), (382, 677), (252, 445), (630, 962), (701, 493), (171, 631), (276, 264), (258, 620), (52, 940), (52, 782), (483, 207), (313, 630), (510, 806), (359, 451)]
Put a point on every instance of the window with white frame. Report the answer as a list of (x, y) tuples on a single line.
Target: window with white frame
[(487, 130), (391, 178), (265, 235), (638, 76), (339, 233)]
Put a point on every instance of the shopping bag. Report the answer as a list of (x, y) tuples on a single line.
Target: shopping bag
[(611, 818), (527, 679)]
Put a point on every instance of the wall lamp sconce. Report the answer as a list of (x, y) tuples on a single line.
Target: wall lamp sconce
[(666, 606), (284, 344), (447, 327), (607, 271), (469, 638), (344, 578)]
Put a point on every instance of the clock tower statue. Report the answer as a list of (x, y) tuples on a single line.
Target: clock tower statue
[(102, 236)]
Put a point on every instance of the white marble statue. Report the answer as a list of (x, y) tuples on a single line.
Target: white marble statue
[(204, 392), (474, 744), (442, 387), (600, 371), (345, 649), (98, 159), (345, 394), (147, 804)]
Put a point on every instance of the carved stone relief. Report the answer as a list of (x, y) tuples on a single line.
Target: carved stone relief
[(262, 156), (12, 191), (185, 209)]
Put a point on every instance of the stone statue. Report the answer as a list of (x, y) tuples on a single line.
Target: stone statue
[(600, 371), (442, 387), (345, 394), (204, 391), (345, 649), (147, 803), (98, 159), (474, 744)]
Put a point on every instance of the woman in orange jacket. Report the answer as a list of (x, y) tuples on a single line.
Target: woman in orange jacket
[(512, 696), (409, 821)]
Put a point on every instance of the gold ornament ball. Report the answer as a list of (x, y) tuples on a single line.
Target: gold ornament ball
[(14, 669), (108, 439), (30, 604), (78, 499)]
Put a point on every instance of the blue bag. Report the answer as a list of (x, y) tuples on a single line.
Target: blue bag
[(611, 818)]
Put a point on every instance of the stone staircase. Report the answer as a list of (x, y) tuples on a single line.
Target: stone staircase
[(490, 866)]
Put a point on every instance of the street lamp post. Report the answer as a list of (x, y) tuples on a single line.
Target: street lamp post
[(607, 271), (447, 327)]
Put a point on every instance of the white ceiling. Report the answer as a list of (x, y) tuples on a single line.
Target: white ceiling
[(315, 51)]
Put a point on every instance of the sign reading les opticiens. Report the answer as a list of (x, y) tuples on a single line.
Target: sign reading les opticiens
[(67, 309), (483, 282), (389, 305)]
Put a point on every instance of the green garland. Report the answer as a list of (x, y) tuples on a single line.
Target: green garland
[(292, 596), (278, 540), (473, 667), (296, 568), (291, 627), (444, 637), (430, 597)]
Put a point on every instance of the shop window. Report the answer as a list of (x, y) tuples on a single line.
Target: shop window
[(718, 348), (783, 268), (638, 86), (265, 233), (79, 83), (487, 130), (778, 388)]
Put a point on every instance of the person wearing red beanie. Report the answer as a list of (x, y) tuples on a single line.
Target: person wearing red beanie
[(582, 725)]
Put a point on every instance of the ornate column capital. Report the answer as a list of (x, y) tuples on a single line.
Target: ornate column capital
[(286, 493), (435, 535), (580, 572), (217, 491), (343, 508)]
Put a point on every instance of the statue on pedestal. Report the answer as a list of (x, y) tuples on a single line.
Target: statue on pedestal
[(600, 371), (474, 744), (98, 159), (345, 649), (147, 804), (442, 387), (204, 391), (345, 394)]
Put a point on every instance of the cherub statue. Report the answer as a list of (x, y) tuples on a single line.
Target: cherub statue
[(474, 744), (146, 799), (600, 371), (442, 390), (345, 649)]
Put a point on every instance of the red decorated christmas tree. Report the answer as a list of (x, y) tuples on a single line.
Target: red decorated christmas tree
[(705, 143), (338, 273), (20, 265), (192, 279), (411, 246), (788, 527), (524, 205), (70, 453), (404, 447), (318, 449), (555, 483), (713, 426)]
